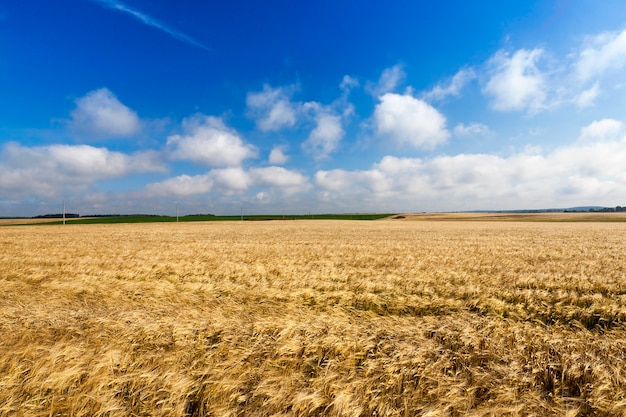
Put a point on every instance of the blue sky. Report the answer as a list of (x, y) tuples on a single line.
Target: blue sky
[(128, 106)]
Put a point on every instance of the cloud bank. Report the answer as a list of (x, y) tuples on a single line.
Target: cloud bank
[(579, 174), (48, 170)]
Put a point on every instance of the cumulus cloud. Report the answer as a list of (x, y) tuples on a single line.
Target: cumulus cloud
[(277, 176), (451, 87), (601, 129), (578, 174), (99, 114), (278, 156), (365, 181), (287, 181), (603, 52), (515, 82), (272, 108), (326, 135), (472, 129), (388, 82), (46, 170), (231, 180), (208, 141), (225, 181), (532, 80), (410, 121), (182, 185)]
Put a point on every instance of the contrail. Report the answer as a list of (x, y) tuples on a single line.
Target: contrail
[(116, 5)]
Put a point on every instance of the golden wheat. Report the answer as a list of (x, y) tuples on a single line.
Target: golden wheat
[(300, 318)]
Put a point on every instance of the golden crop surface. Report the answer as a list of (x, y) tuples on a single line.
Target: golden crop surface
[(304, 318)]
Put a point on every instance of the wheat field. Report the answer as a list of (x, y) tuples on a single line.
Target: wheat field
[(314, 318)]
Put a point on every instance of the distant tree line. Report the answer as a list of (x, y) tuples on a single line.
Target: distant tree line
[(609, 209), (76, 215), (600, 210), (57, 216), (121, 215)]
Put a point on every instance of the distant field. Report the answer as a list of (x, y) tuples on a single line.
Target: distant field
[(314, 318), (516, 217), (25, 221), (198, 218)]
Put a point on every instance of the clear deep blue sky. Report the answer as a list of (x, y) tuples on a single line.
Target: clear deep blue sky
[(126, 106)]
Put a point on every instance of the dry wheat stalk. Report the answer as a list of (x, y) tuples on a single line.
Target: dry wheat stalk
[(313, 318)]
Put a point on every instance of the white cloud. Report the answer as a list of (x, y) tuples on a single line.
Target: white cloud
[(578, 174), (515, 82), (100, 114), (286, 180), (277, 176), (603, 52), (389, 80), (408, 120), (587, 97), (46, 170), (208, 141), (272, 109), (601, 129), (182, 185), (348, 83), (369, 181), (532, 80), (229, 181), (278, 156), (326, 136), (453, 87), (472, 129), (88, 161)]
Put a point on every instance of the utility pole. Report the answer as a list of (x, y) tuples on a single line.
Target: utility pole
[(63, 211), (176, 212), (241, 213)]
